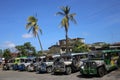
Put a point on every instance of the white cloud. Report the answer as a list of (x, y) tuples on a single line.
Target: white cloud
[(7, 44), (27, 35)]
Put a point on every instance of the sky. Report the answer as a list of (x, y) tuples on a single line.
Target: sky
[(97, 21)]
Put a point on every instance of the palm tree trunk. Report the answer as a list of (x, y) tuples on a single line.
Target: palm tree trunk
[(67, 42), (40, 43)]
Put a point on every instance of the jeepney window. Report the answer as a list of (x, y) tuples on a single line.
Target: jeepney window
[(17, 60), (66, 58), (96, 55), (114, 55), (83, 56), (49, 59), (22, 60)]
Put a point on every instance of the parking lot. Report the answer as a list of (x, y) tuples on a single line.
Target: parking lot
[(16, 75)]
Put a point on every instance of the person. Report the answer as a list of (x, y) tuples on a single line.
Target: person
[(74, 62)]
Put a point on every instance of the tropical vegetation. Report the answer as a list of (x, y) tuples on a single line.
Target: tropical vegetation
[(26, 49), (33, 27), (67, 17)]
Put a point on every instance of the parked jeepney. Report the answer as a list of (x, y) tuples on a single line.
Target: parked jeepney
[(25, 62), (8, 64), (100, 62), (16, 63), (11, 63), (32, 64), (69, 62), (46, 64)]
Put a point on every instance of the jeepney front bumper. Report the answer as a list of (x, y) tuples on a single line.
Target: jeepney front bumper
[(89, 68)]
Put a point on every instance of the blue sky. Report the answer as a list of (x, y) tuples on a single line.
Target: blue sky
[(97, 21)]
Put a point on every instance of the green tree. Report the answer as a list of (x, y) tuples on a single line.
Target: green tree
[(7, 54), (34, 27), (26, 49), (29, 49), (80, 47), (67, 17), (1, 52), (22, 51)]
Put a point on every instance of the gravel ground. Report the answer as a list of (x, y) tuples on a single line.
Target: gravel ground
[(16, 75)]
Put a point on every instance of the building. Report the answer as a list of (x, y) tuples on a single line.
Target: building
[(14, 55), (61, 46), (54, 49), (115, 45)]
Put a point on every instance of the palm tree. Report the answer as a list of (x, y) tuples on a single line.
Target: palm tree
[(67, 17), (33, 26)]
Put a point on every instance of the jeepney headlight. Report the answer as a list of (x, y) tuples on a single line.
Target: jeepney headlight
[(82, 67), (94, 64)]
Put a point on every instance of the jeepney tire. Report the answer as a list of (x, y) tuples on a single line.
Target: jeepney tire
[(101, 72), (37, 70), (53, 73), (4, 68), (11, 67), (68, 70), (8, 67), (49, 69), (26, 68)]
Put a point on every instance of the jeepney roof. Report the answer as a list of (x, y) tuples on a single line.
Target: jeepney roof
[(17, 58), (73, 54), (107, 51)]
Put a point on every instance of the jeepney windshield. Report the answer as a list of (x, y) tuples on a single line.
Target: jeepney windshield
[(95, 56)]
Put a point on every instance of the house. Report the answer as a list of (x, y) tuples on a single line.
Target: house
[(115, 45), (14, 55), (61, 46), (98, 46)]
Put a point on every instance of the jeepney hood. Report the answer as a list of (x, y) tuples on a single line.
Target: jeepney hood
[(48, 63), (26, 64), (67, 62), (98, 62)]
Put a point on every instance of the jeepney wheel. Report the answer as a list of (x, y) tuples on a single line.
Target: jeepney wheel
[(53, 73), (68, 70), (37, 70), (101, 72), (11, 67), (26, 68), (49, 69)]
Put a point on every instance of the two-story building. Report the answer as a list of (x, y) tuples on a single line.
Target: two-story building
[(61, 46)]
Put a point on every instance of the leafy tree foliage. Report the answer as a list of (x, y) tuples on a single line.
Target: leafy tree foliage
[(33, 27), (1, 52), (67, 17), (80, 47), (7, 54), (26, 50)]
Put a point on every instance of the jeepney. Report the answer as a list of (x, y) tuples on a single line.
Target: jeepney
[(68, 63), (46, 64), (25, 62), (100, 62)]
